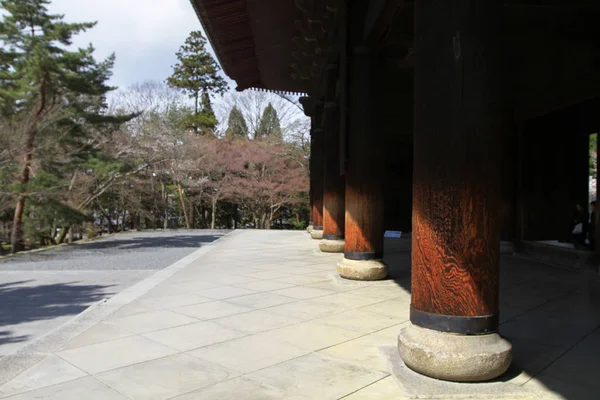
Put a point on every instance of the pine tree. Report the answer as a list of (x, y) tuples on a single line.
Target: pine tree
[(197, 74), (61, 90), (236, 125), (269, 126)]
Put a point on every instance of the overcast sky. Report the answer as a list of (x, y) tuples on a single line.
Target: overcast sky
[(144, 34)]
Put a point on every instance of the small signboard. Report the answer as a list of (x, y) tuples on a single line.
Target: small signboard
[(393, 234)]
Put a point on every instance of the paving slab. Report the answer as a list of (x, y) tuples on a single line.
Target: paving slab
[(250, 353), (151, 321), (101, 332), (193, 336), (384, 389), (165, 378), (318, 377), (212, 310), (87, 388), (241, 388), (261, 300), (114, 354), (256, 321), (263, 315), (51, 371)]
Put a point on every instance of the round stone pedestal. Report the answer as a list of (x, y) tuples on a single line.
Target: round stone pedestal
[(362, 270), (454, 357), (309, 228), (316, 234), (332, 246)]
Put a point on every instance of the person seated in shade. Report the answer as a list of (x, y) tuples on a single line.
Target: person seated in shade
[(579, 227)]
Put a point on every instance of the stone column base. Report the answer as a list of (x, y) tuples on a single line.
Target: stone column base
[(309, 229), (454, 357), (362, 270), (316, 234), (332, 246)]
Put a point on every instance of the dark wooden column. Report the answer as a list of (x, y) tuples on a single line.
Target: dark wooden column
[(597, 233), (364, 175), (316, 160), (334, 183), (456, 196), (457, 145), (311, 180)]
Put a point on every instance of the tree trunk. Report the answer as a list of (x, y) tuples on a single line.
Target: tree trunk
[(270, 218), (196, 97), (164, 196), (199, 213), (263, 220), (16, 240), (108, 220), (155, 210), (214, 213), (118, 219), (183, 206), (63, 234)]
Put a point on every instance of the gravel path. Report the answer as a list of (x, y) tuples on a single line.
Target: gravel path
[(130, 251), (42, 290)]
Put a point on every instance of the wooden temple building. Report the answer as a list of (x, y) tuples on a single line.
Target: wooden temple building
[(465, 122)]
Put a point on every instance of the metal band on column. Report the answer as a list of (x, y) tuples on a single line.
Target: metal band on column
[(482, 324)]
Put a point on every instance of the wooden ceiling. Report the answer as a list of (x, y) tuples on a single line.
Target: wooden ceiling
[(285, 45)]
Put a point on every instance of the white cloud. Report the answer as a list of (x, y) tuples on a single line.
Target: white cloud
[(144, 34)]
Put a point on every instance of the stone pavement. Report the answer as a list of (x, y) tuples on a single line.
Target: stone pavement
[(42, 290), (262, 315)]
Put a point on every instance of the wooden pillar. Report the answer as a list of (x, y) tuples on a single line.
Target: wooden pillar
[(508, 214), (364, 178), (597, 199), (334, 185), (363, 250), (457, 181), (316, 160), (311, 180)]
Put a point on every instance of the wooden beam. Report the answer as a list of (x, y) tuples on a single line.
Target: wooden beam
[(379, 16), (343, 52)]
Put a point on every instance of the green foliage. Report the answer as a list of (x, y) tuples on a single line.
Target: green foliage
[(55, 97), (45, 216), (204, 121), (298, 224), (269, 126), (236, 124), (197, 74), (35, 55), (102, 165)]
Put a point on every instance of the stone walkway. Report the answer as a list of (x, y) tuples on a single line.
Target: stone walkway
[(262, 315)]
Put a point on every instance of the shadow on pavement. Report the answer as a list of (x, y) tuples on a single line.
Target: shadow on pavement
[(8, 337), (141, 242), (23, 301)]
